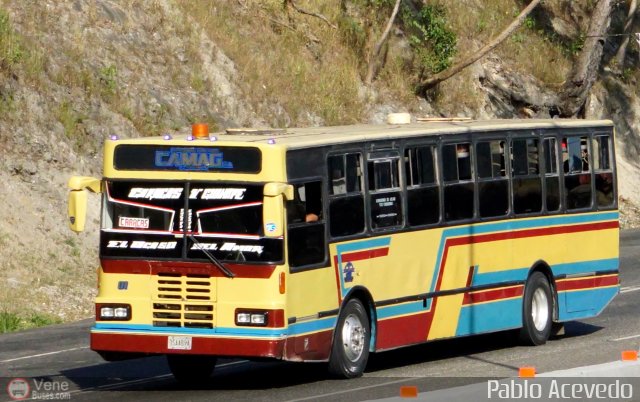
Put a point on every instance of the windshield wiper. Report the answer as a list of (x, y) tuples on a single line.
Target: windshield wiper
[(213, 259)]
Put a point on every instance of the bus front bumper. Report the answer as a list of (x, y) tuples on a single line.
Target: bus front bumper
[(181, 343)]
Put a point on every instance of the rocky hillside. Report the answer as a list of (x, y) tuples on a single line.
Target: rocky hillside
[(72, 72)]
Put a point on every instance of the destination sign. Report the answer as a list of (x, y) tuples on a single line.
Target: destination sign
[(187, 158)]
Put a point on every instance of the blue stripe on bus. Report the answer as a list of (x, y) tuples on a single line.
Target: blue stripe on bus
[(400, 309), (312, 326), (488, 317), (364, 244), (256, 332), (520, 274), (593, 302)]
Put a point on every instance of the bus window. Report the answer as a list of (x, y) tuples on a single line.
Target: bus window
[(385, 197), (577, 178), (493, 184), (552, 179), (346, 205), (527, 185), (602, 167), (423, 192), (306, 225), (458, 190)]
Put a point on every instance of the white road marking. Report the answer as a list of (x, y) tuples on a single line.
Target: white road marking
[(627, 289), (624, 338), (43, 354), (349, 390)]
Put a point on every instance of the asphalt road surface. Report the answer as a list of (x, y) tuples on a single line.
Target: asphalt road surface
[(58, 357)]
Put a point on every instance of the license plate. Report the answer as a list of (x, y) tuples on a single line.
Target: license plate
[(179, 342)]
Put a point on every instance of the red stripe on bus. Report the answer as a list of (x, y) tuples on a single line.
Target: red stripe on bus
[(401, 331), (519, 234), (314, 347), (365, 255), (587, 283), (492, 295), (184, 268), (141, 343)]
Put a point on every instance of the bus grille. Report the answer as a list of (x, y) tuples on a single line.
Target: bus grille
[(183, 301)]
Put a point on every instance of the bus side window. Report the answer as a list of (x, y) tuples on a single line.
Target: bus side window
[(306, 234), (423, 190), (385, 196), (601, 151), (577, 178), (458, 186), (493, 184), (527, 184), (346, 202), (552, 178)]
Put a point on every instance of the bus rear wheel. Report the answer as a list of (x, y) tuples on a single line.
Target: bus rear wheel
[(537, 310), (191, 369), (350, 350)]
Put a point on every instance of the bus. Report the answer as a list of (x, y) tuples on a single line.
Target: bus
[(326, 244)]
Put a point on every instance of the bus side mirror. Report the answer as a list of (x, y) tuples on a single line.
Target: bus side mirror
[(273, 208), (78, 200), (77, 210), (273, 216)]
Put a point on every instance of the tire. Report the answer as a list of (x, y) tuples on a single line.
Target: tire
[(350, 350), (537, 311), (191, 369)]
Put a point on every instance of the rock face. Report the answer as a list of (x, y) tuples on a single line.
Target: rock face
[(89, 69)]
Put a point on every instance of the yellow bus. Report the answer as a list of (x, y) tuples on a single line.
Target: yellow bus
[(326, 244)]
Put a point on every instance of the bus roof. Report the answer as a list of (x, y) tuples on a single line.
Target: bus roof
[(308, 137), (295, 138)]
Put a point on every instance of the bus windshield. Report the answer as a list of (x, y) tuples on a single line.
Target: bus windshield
[(148, 220)]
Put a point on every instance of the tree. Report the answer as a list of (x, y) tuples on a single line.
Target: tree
[(622, 50), (375, 53), (444, 75), (585, 69)]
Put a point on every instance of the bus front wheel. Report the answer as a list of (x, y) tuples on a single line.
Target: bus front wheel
[(350, 350), (537, 310), (191, 369)]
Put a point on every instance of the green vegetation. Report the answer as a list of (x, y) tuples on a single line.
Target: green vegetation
[(14, 54), (433, 42), (10, 322)]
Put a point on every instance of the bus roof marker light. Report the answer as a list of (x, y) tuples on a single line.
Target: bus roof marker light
[(527, 372), (114, 137), (167, 137), (200, 130), (213, 138), (271, 141), (190, 137)]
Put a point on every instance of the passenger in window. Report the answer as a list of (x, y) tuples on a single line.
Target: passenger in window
[(604, 189), (313, 205), (584, 154), (464, 161)]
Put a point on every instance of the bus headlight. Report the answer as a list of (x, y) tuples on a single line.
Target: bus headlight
[(252, 318), (113, 312), (260, 318)]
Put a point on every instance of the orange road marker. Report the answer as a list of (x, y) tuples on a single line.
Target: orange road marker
[(527, 372), (408, 391), (629, 355)]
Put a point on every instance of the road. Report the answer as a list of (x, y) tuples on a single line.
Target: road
[(60, 355)]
